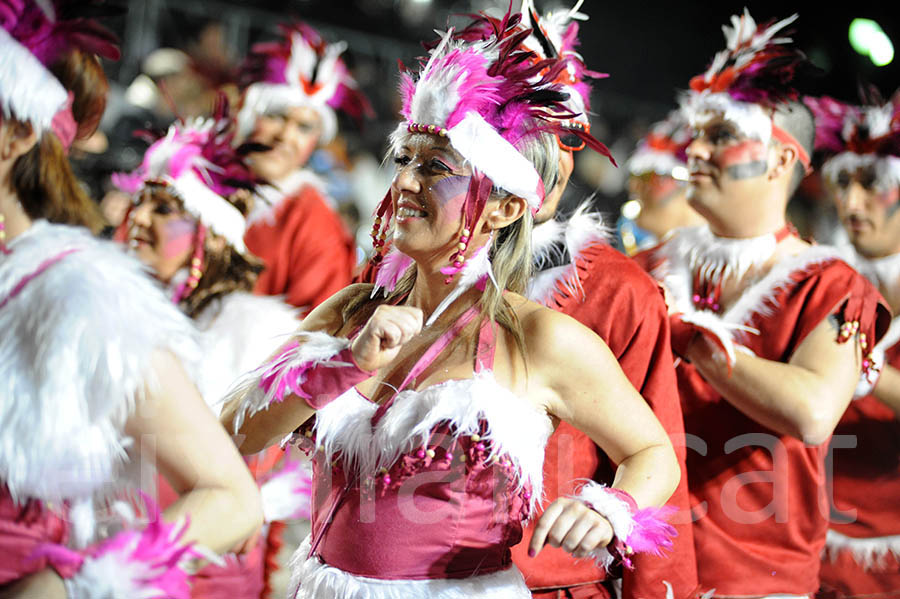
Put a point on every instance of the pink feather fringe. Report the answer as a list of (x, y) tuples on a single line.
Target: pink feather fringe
[(299, 482), (157, 548), (291, 381)]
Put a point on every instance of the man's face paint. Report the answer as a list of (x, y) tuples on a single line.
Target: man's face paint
[(870, 214), (744, 160)]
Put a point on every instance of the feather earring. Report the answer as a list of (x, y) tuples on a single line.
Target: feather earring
[(476, 272), (392, 267)]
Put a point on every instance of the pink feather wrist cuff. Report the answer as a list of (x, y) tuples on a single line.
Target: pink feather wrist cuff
[(315, 367), (636, 530)]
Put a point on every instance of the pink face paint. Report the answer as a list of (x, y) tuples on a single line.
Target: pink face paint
[(744, 160), (178, 236), (451, 192)]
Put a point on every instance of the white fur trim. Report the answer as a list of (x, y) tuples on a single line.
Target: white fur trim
[(515, 428), (311, 579), (616, 511), (237, 333), (28, 91), (710, 322), (583, 230), (315, 347), (211, 209), (76, 349), (868, 553), (547, 243), (490, 153), (751, 119), (676, 275), (280, 495), (887, 168), (270, 197)]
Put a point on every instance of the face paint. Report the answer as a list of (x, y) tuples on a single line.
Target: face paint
[(890, 200), (179, 236), (451, 190), (744, 160)]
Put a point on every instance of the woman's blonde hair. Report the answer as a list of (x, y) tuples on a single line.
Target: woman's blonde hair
[(511, 258)]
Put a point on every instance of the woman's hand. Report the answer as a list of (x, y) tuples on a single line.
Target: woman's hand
[(570, 524), (381, 339)]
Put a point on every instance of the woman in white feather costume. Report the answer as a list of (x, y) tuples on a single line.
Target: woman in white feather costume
[(92, 355), (429, 438), (187, 225)]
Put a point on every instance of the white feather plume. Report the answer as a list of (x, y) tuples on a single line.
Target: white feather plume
[(75, 358), (311, 579)]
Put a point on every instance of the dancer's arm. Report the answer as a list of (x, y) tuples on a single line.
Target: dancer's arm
[(174, 428), (587, 388)]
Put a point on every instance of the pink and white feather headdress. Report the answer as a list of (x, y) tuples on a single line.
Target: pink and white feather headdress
[(197, 161), (33, 35), (664, 149), (748, 80), (301, 69), (859, 136)]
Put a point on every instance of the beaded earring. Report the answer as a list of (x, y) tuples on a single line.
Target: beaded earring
[(3, 247), (188, 287), (383, 213)]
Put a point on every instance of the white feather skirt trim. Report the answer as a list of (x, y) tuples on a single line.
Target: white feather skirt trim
[(75, 357), (311, 579)]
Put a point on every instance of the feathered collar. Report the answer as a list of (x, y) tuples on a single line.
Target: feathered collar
[(558, 248), (678, 266), (515, 430), (883, 272), (715, 259), (270, 197)]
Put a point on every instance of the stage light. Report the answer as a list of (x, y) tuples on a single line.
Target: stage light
[(868, 39)]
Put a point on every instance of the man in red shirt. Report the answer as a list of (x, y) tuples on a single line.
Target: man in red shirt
[(769, 329), (609, 293), (292, 88), (862, 557)]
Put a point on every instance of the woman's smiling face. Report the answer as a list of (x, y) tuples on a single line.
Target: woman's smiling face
[(428, 192), (161, 232)]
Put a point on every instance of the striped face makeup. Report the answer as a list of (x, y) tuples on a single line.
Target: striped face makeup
[(744, 160)]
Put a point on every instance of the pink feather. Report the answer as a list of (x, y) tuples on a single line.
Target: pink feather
[(652, 532), (394, 266)]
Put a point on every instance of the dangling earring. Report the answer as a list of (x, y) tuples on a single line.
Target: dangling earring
[(3, 247), (188, 287), (379, 232)]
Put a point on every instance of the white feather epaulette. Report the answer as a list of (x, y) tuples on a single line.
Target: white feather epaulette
[(74, 358)]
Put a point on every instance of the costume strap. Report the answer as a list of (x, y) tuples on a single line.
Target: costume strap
[(429, 356)]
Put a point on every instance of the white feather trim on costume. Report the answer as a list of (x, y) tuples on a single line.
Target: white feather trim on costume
[(868, 553), (314, 348), (28, 91), (881, 272), (515, 429), (547, 243), (887, 168), (269, 197), (691, 245), (286, 493), (238, 332), (211, 209), (74, 358), (583, 230), (311, 579)]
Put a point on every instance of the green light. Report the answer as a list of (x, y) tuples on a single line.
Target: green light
[(868, 39)]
